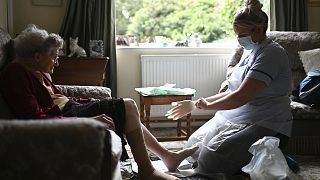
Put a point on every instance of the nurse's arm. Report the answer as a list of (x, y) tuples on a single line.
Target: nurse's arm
[(248, 90), (217, 96)]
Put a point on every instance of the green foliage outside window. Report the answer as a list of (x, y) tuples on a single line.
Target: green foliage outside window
[(176, 19)]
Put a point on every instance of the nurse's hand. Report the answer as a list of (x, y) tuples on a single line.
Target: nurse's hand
[(202, 103), (180, 109)]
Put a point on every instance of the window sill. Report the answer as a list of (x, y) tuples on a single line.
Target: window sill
[(220, 45), (217, 48)]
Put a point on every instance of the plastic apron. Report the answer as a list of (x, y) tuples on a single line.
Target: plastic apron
[(213, 133)]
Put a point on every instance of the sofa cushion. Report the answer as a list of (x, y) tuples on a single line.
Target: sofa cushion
[(96, 92), (310, 59), (301, 111), (294, 42), (5, 112)]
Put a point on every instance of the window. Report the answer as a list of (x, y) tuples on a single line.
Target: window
[(175, 21)]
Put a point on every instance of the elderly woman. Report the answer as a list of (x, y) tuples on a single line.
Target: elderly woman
[(31, 94), (255, 105)]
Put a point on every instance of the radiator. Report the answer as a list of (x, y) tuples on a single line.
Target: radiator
[(203, 72)]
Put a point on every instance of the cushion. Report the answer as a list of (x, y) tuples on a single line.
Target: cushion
[(96, 92), (310, 59), (302, 111), (5, 112)]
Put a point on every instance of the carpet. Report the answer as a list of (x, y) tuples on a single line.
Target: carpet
[(309, 165)]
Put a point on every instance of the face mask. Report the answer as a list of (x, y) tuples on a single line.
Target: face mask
[(246, 42)]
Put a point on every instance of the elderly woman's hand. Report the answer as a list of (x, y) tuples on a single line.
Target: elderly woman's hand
[(180, 109), (106, 120)]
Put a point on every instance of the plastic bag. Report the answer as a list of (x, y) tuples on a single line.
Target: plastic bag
[(268, 162)]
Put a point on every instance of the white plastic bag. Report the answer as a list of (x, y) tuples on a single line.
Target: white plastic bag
[(268, 162)]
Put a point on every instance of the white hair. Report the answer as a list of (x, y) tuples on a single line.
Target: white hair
[(33, 39)]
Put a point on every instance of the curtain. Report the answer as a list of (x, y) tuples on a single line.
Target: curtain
[(288, 15), (93, 20)]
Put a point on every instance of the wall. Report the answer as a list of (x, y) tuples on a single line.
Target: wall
[(3, 14), (313, 15), (47, 17)]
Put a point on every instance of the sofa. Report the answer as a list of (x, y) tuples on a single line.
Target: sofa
[(72, 148), (305, 138)]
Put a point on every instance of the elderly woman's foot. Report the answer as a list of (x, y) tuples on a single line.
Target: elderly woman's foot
[(175, 158), (156, 175)]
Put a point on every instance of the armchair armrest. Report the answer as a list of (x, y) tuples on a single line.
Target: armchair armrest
[(56, 149), (96, 92)]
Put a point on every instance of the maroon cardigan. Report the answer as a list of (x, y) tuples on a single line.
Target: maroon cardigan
[(25, 94)]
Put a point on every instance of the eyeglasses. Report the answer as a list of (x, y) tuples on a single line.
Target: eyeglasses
[(54, 57), (55, 60)]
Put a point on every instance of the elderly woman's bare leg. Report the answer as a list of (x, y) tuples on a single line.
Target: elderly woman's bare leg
[(136, 141), (171, 159)]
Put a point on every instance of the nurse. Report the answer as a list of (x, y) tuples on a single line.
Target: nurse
[(255, 105)]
